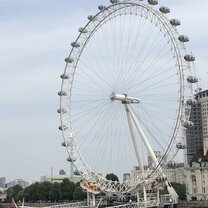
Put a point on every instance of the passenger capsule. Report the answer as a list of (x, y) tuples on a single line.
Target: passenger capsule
[(175, 22), (62, 93), (83, 30), (192, 79), (198, 90), (71, 159), (69, 60), (191, 102), (114, 1), (160, 179), (153, 2), (75, 44), (65, 144), (181, 146), (61, 110), (189, 57), (183, 38), (101, 7), (164, 10), (188, 124), (65, 76), (91, 18), (170, 164), (63, 127)]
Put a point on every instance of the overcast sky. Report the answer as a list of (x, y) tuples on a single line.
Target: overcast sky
[(35, 38)]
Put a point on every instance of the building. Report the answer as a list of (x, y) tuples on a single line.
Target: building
[(2, 195), (20, 182), (60, 178), (176, 173), (62, 172), (197, 180), (135, 172), (2, 182), (62, 175), (159, 157), (197, 136), (126, 176), (203, 98), (197, 149)]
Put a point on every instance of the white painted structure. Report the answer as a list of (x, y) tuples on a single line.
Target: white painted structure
[(113, 107), (197, 182), (175, 174), (197, 147)]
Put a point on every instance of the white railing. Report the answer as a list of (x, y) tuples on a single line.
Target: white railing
[(150, 203), (82, 204), (71, 205)]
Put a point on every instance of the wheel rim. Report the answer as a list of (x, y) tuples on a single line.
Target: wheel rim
[(89, 105)]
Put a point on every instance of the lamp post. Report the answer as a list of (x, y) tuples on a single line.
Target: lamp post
[(171, 203), (130, 201)]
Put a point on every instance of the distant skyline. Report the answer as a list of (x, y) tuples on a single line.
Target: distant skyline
[(35, 38)]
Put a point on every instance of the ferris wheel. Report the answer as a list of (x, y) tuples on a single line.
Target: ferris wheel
[(126, 95)]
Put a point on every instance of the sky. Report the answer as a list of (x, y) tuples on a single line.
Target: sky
[(35, 37)]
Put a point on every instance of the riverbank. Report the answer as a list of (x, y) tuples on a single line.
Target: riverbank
[(184, 204)]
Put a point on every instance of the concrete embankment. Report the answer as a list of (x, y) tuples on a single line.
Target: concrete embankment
[(193, 204)]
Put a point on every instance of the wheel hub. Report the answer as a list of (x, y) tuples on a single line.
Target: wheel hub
[(124, 98)]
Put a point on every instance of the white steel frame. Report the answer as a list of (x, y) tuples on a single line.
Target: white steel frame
[(183, 69)]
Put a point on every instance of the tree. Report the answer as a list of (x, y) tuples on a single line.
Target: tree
[(79, 194), (44, 190), (13, 192), (180, 190), (47, 191), (32, 193), (55, 193), (112, 177), (21, 195), (66, 190)]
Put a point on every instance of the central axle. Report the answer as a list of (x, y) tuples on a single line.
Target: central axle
[(124, 98)]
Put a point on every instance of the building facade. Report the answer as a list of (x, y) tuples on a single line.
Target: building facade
[(176, 174), (197, 150), (20, 182), (197, 136), (197, 181), (2, 182), (60, 178), (203, 99), (126, 176)]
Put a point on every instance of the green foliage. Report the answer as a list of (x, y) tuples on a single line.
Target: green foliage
[(32, 192), (20, 195), (164, 191), (112, 177), (13, 192), (79, 195), (66, 190), (46, 191), (54, 193), (180, 190)]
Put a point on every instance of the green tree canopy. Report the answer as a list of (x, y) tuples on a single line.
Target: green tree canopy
[(66, 190), (180, 190), (54, 193), (13, 192), (112, 177), (79, 195), (46, 191)]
